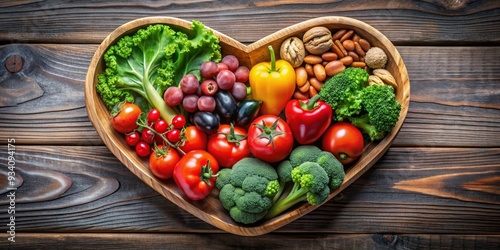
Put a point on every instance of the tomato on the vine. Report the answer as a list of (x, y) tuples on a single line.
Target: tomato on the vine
[(153, 115), (142, 149), (148, 136), (229, 145), (162, 161), (343, 140), (125, 117), (195, 174), (179, 121), (161, 126), (192, 138), (174, 135), (270, 138), (132, 138)]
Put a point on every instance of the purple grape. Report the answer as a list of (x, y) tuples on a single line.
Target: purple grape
[(206, 103), (239, 91), (190, 103), (189, 84), (173, 96), (226, 79)]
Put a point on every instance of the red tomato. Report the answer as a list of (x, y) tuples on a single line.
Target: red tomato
[(124, 120), (162, 162), (270, 138), (132, 138), (142, 149), (195, 174), (193, 138), (229, 145), (345, 141)]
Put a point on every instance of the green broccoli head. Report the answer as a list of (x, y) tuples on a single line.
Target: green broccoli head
[(229, 194), (284, 170), (341, 92), (304, 153), (381, 111), (252, 202), (243, 217), (310, 176), (318, 198), (333, 168), (250, 166), (223, 177)]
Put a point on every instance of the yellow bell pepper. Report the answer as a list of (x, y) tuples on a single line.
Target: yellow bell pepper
[(273, 83)]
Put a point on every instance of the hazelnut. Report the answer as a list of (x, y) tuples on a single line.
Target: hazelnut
[(292, 50), (318, 40), (375, 58)]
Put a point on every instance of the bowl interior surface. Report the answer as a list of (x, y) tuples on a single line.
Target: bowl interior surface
[(210, 210)]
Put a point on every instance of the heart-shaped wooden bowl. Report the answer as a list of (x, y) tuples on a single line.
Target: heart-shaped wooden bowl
[(210, 209)]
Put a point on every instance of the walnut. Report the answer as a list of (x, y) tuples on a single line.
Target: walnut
[(386, 77), (318, 40), (292, 50)]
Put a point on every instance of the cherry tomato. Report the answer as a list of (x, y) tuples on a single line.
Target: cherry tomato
[(132, 138), (179, 121), (148, 136), (174, 135), (161, 126), (270, 138), (193, 138), (229, 145), (153, 115), (124, 119), (142, 149), (162, 162), (195, 174), (343, 140)]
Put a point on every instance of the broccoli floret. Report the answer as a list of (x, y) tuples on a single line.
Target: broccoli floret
[(310, 183), (250, 188), (243, 217), (253, 202), (332, 167), (304, 153), (284, 170), (340, 92), (382, 111), (223, 177), (249, 166)]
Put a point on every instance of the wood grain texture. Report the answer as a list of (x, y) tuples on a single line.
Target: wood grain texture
[(455, 97), (273, 241), (418, 22), (106, 197)]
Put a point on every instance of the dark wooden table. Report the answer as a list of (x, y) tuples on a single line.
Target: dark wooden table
[(438, 186)]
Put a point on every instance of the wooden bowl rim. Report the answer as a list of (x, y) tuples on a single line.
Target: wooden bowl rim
[(364, 163)]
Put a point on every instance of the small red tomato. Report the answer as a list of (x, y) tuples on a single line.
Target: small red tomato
[(270, 138), (132, 138), (162, 162), (195, 174), (148, 136), (153, 115), (228, 145), (161, 126), (142, 149), (179, 121), (193, 138), (174, 135), (125, 117), (343, 140)]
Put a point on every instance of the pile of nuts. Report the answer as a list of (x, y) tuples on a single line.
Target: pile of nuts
[(319, 55)]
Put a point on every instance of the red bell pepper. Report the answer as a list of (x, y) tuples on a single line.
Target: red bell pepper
[(308, 119), (195, 174)]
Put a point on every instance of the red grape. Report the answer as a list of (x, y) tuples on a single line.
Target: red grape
[(189, 84), (209, 69), (241, 74), (231, 61), (173, 96), (226, 79), (190, 103), (239, 91), (221, 67), (206, 103)]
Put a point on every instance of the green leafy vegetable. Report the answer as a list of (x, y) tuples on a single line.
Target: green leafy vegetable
[(140, 67)]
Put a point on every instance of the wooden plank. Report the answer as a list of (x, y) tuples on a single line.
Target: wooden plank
[(415, 22), (410, 190), (271, 241), (457, 104)]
